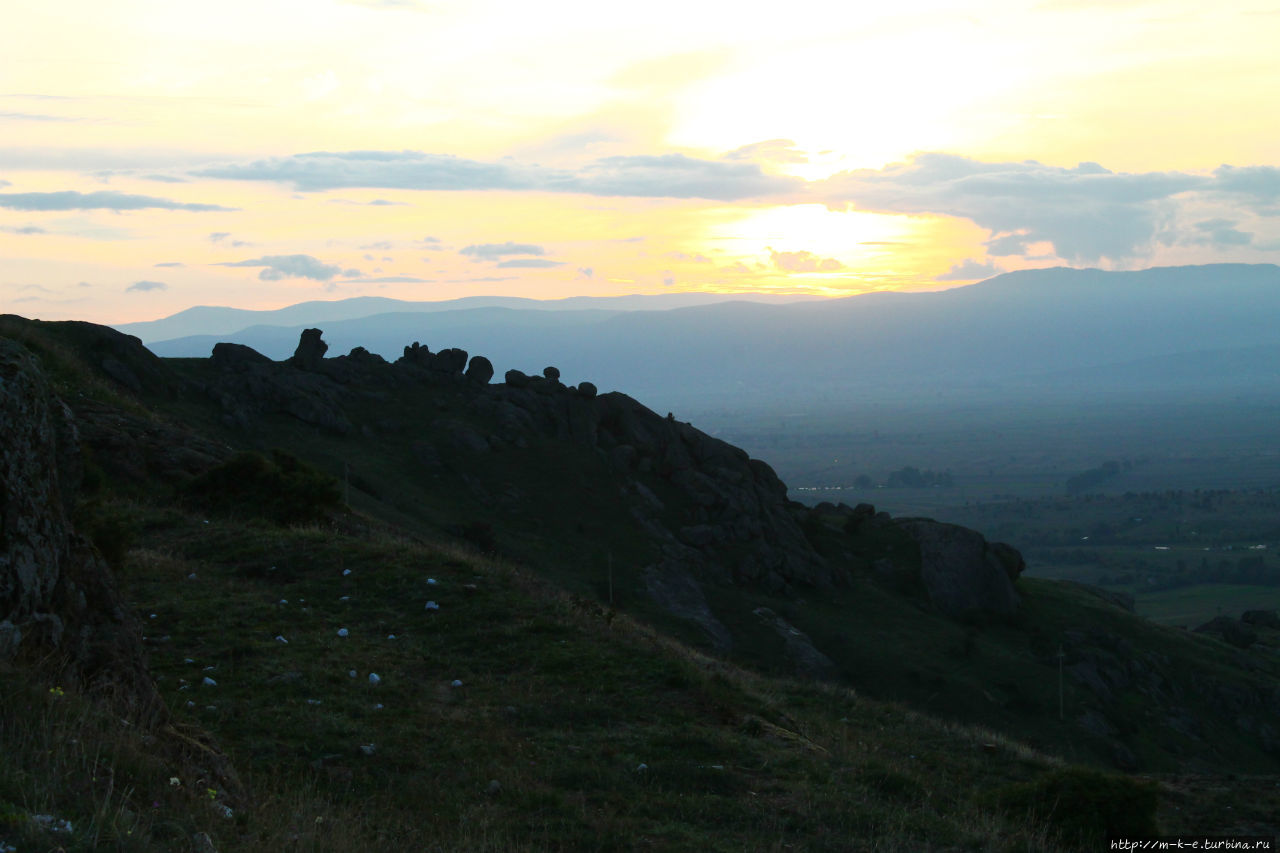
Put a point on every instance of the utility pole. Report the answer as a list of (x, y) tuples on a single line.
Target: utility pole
[(1061, 655)]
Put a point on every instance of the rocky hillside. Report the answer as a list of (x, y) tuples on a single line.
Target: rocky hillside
[(651, 517)]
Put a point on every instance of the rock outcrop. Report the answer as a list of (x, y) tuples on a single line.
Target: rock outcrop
[(56, 592), (961, 571)]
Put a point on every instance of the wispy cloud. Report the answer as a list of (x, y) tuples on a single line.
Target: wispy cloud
[(102, 200), (646, 176), (529, 263), (171, 264), (494, 251), (969, 270), (803, 262), (388, 279), (144, 286), (278, 267), (23, 229)]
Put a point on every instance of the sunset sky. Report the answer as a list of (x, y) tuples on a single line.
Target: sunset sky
[(160, 155)]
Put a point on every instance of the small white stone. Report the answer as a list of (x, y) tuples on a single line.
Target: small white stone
[(209, 682), (188, 660), (280, 639), (642, 767), (342, 632), (431, 605), (284, 601), (378, 707), (431, 581), (190, 704), (346, 572), (373, 678), (456, 683), (351, 673), (368, 748), (345, 598), (153, 616), (191, 576), (313, 702), (391, 636)]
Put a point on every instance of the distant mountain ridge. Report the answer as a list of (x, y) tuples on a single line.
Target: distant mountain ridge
[(1010, 334), (217, 320)]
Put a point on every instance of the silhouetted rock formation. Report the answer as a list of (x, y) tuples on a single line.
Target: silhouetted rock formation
[(56, 592)]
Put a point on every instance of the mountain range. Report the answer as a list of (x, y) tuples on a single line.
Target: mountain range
[(1176, 331)]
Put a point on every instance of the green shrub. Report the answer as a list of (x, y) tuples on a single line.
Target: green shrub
[(282, 489), (1083, 805)]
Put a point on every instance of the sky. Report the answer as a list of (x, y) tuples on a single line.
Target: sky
[(160, 155)]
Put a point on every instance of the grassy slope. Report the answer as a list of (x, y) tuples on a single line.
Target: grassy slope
[(560, 704)]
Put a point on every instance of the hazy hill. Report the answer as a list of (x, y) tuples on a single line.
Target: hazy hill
[(211, 320), (1015, 333)]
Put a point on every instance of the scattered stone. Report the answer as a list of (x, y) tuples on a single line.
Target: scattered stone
[(517, 379), (552, 373), (209, 682), (373, 678), (280, 639), (368, 748), (456, 683), (346, 572), (586, 389), (342, 632), (493, 787), (431, 605)]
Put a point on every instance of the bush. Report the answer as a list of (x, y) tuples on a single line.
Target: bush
[(1084, 806), (282, 489)]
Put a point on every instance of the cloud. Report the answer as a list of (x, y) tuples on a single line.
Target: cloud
[(1219, 233), (969, 270), (380, 246), (102, 200), (494, 251), (144, 286), (171, 264), (388, 279), (770, 151), (685, 256), (219, 236), (166, 179), (23, 229), (529, 263), (586, 272), (803, 262), (1086, 212), (647, 176), (279, 267), (737, 266), (33, 117), (377, 202), (4, 183), (1259, 184)]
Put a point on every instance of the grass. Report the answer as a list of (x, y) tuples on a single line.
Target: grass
[(573, 728), (1192, 606)]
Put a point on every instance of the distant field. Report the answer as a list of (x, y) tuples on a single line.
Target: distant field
[(1195, 605), (1000, 450)]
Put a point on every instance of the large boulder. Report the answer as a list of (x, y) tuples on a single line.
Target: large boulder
[(480, 370), (310, 351), (961, 572)]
